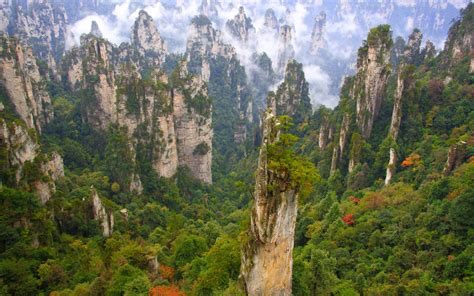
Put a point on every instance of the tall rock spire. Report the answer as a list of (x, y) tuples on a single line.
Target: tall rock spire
[(240, 26), (373, 69), (147, 40)]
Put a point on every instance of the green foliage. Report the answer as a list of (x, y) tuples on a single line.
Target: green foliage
[(293, 170)]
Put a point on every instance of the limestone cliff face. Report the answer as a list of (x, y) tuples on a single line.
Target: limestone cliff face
[(429, 51), (193, 124), (104, 216), (99, 76), (166, 117), (147, 42), (145, 108), (456, 155), (21, 80), (267, 255), (324, 133), (338, 150), (214, 60), (292, 97), (53, 169), (373, 69), (317, 36), (240, 26), (20, 147), (44, 27), (411, 54), (203, 44), (460, 41), (286, 51)]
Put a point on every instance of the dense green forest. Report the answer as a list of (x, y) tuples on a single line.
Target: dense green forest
[(179, 236)]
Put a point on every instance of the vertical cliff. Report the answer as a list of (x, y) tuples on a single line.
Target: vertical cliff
[(240, 26), (104, 216), (267, 259), (286, 51), (44, 27), (339, 149), (411, 56), (373, 69), (99, 110), (192, 118), (292, 96), (21, 81), (147, 43)]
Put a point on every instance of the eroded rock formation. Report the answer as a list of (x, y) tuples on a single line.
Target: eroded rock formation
[(267, 255), (240, 26), (21, 81), (104, 216), (373, 69)]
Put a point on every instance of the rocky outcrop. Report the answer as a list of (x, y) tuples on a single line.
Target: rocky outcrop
[(411, 54), (324, 133), (192, 119), (147, 42), (44, 27), (317, 36), (99, 76), (460, 41), (456, 155), (267, 261), (104, 216), (338, 150), (21, 81), (429, 51), (292, 96), (286, 51), (241, 26), (373, 69), (52, 169), (18, 146), (203, 44), (95, 30), (391, 166), (214, 60)]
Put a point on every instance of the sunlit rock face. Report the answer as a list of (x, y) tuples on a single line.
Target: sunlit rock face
[(267, 255), (21, 80), (147, 42), (193, 125), (373, 70)]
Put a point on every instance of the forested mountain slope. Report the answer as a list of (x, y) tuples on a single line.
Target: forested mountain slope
[(129, 170)]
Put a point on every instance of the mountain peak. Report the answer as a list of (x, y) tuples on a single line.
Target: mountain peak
[(147, 39), (95, 29)]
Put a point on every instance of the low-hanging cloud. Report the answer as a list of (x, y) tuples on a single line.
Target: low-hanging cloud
[(345, 30)]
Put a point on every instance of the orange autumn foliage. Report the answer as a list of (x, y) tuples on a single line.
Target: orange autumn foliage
[(348, 219), (165, 291), (412, 160), (167, 272)]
